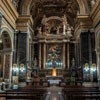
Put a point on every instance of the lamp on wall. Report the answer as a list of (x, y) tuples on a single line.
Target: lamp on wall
[(69, 32), (86, 67), (22, 68), (93, 67), (15, 68), (90, 72)]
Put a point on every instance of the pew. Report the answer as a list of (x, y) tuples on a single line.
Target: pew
[(81, 93), (85, 97), (27, 93)]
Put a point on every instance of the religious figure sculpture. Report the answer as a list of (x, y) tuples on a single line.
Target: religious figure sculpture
[(35, 62), (40, 30), (66, 27)]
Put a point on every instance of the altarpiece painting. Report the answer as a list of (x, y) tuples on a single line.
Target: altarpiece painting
[(54, 55)]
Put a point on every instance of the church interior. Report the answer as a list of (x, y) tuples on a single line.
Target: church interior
[(49, 50)]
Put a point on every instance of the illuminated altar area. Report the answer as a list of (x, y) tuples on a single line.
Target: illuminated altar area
[(54, 79), (54, 73)]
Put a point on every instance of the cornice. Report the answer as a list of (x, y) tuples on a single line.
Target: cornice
[(9, 12), (83, 23), (12, 9), (26, 18), (24, 22)]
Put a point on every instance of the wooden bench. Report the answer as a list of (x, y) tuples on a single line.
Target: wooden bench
[(72, 93), (85, 97), (29, 93)]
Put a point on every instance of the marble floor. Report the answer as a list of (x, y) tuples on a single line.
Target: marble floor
[(54, 93)]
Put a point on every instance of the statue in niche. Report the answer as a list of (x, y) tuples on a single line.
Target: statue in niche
[(45, 26), (40, 30), (69, 31), (66, 27), (61, 29), (73, 62), (73, 68), (44, 19), (35, 62), (53, 30)]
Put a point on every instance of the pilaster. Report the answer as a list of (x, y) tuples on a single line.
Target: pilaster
[(44, 55), (63, 55), (11, 56), (40, 55), (24, 25), (68, 59)]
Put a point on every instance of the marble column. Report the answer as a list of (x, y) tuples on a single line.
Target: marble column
[(27, 45), (68, 59), (0, 65), (63, 55), (3, 65), (30, 57), (98, 68), (15, 47), (11, 55), (90, 58), (40, 55), (44, 56)]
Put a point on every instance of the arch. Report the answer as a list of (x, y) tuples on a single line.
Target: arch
[(6, 32), (82, 6), (87, 8), (26, 7), (54, 17)]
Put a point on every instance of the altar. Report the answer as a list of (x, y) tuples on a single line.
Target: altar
[(54, 80)]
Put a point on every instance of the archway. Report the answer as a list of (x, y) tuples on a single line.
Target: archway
[(5, 56)]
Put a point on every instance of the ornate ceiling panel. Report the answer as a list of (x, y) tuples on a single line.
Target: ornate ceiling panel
[(49, 8), (39, 8)]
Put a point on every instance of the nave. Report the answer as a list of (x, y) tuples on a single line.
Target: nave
[(49, 42), (33, 93)]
